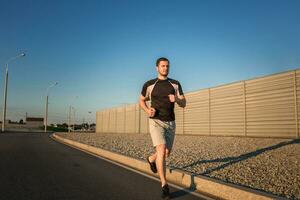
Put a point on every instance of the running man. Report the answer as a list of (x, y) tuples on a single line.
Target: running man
[(162, 92)]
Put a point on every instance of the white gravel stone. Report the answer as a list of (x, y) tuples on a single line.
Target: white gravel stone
[(268, 164)]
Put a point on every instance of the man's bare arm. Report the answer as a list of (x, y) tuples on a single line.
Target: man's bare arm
[(180, 100), (149, 111)]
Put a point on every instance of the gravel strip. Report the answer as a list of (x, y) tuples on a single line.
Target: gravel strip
[(267, 164)]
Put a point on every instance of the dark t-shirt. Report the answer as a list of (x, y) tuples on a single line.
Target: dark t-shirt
[(157, 91)]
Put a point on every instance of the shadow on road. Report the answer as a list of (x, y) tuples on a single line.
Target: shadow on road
[(180, 193)]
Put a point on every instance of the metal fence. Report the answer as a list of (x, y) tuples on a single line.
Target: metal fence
[(262, 107)]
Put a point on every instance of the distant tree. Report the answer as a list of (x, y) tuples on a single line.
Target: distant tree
[(65, 125), (21, 121), (52, 125)]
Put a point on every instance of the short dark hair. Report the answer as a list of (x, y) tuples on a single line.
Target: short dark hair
[(161, 59)]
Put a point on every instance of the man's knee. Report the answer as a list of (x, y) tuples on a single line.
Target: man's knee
[(161, 149)]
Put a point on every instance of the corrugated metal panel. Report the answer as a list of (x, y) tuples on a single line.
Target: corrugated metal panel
[(274, 82), (270, 105), (99, 122), (112, 120), (144, 121), (297, 96), (196, 113), (130, 119), (137, 118), (179, 119), (120, 120), (105, 121), (227, 110)]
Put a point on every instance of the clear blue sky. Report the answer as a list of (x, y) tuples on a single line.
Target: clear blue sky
[(103, 51)]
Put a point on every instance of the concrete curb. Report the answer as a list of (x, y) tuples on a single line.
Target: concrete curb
[(205, 185)]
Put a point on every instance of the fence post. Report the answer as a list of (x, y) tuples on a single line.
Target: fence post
[(102, 121), (139, 107), (245, 109), (183, 121), (116, 120), (296, 104), (109, 121), (209, 112), (124, 126)]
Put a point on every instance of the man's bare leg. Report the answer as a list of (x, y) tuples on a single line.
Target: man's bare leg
[(161, 163), (152, 158), (167, 153)]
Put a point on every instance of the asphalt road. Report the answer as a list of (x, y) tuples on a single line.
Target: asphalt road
[(33, 166)]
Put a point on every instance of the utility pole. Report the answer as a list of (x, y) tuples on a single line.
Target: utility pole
[(70, 113), (5, 89), (46, 116), (46, 112), (5, 99), (74, 121), (69, 124)]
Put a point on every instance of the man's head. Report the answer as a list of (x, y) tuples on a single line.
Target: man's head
[(162, 66)]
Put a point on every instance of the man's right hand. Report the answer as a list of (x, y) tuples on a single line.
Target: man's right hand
[(151, 112)]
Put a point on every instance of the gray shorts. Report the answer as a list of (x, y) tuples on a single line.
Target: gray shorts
[(162, 132)]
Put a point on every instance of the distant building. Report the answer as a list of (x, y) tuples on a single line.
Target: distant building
[(34, 122)]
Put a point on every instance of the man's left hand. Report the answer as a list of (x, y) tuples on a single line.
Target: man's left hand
[(172, 97)]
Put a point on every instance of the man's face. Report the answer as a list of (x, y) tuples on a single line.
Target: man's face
[(163, 68)]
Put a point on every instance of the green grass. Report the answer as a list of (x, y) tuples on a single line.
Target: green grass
[(56, 129)]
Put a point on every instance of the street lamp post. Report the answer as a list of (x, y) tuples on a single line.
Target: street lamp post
[(70, 113), (5, 89), (70, 110), (89, 125), (69, 124), (74, 120), (46, 112)]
